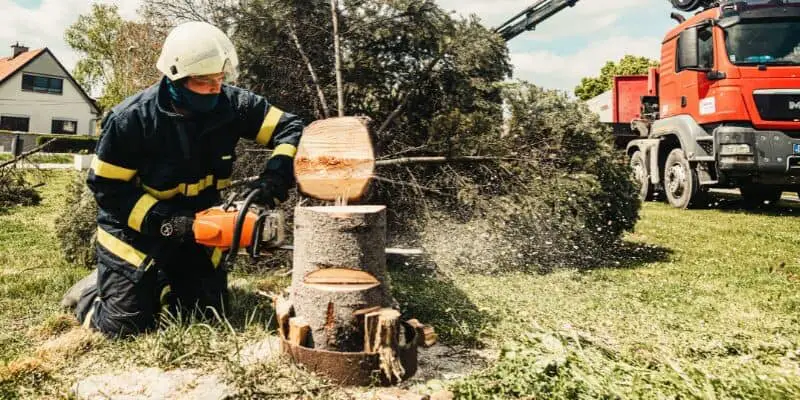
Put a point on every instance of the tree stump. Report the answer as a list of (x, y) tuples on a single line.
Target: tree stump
[(339, 269)]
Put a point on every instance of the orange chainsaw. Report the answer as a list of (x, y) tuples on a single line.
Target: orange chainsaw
[(240, 225)]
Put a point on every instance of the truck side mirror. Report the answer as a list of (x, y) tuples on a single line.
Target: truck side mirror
[(688, 49)]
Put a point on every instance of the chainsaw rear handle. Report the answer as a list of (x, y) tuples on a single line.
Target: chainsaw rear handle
[(237, 229)]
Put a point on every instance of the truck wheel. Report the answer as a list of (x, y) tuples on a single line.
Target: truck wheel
[(754, 196), (639, 169), (681, 183), (686, 5)]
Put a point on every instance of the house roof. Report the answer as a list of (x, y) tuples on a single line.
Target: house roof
[(10, 66)]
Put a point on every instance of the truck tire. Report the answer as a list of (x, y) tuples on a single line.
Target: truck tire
[(681, 184), (687, 5), (754, 196), (639, 170)]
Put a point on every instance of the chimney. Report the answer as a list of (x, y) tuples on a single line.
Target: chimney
[(18, 49)]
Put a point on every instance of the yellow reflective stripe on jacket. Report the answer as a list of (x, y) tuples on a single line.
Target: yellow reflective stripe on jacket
[(285, 149), (223, 183), (191, 189), (139, 211), (161, 194), (195, 188), (216, 257), (120, 249), (268, 127), (111, 171)]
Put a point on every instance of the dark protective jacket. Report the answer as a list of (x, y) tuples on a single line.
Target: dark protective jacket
[(152, 163)]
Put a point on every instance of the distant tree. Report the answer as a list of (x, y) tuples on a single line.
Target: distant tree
[(118, 56), (628, 65)]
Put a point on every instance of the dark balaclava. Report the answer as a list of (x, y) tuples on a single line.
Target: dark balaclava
[(189, 100)]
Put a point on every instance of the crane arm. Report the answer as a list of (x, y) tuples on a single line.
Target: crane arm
[(532, 16)]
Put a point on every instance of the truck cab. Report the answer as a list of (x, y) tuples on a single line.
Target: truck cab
[(726, 107)]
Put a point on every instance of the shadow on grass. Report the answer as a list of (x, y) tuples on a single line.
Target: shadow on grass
[(633, 255), (733, 203), (435, 300)]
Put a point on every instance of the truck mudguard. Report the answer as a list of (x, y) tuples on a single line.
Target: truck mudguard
[(688, 132)]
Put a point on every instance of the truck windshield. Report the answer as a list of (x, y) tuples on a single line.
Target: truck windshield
[(764, 42)]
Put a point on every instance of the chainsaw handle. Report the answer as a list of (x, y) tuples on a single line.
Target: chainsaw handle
[(237, 229)]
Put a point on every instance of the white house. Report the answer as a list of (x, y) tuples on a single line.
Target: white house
[(37, 94)]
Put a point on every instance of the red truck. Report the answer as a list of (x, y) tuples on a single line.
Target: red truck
[(723, 108)]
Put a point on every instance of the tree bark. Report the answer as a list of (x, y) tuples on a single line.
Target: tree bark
[(339, 269), (337, 49)]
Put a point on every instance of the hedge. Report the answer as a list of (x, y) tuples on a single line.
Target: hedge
[(68, 144)]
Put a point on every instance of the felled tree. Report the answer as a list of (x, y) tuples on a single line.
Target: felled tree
[(562, 197), (433, 84)]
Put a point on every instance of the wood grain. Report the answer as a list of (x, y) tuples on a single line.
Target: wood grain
[(335, 160)]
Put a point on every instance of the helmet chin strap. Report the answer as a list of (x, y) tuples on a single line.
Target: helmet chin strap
[(188, 100)]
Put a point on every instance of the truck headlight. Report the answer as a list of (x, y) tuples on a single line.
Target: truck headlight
[(735, 149)]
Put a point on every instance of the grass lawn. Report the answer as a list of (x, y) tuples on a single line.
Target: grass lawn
[(703, 305)]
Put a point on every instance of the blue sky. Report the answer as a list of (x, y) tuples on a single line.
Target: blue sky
[(572, 44)]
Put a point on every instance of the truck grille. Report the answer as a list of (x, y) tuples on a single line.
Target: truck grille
[(778, 105)]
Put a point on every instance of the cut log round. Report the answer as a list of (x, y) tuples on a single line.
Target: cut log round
[(348, 237), (335, 159), (339, 269)]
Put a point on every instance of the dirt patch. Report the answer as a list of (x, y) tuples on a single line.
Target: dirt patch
[(153, 383), (443, 363), (261, 351)]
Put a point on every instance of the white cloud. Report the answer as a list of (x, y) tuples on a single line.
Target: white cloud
[(565, 71)]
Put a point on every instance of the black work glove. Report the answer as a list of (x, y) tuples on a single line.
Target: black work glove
[(274, 183), (178, 228), (274, 189)]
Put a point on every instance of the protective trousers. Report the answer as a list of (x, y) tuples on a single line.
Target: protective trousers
[(183, 281)]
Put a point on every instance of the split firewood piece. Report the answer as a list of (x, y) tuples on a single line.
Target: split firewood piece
[(426, 335), (381, 335), (283, 311), (371, 321), (364, 311), (335, 160), (298, 331)]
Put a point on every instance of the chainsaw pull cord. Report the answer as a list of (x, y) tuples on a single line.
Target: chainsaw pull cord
[(237, 229)]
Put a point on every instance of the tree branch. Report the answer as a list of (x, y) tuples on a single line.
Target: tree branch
[(311, 71), (440, 160), (28, 153), (407, 96), (339, 88)]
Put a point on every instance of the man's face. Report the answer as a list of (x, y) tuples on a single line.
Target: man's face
[(206, 84)]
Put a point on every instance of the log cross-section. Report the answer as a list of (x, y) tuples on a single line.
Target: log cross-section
[(335, 159)]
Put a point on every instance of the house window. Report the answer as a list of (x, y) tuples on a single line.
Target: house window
[(19, 124), (65, 126), (42, 84)]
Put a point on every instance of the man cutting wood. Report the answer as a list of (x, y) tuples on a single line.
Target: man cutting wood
[(164, 155)]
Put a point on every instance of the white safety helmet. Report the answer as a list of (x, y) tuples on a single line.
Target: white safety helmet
[(198, 48)]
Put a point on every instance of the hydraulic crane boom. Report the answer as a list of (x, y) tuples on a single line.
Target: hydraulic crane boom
[(532, 16)]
